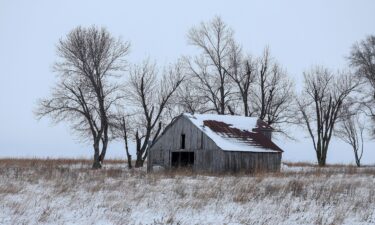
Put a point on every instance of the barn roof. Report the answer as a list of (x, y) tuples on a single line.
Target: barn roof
[(234, 133)]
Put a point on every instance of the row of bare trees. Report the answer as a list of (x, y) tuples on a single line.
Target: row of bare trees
[(103, 97), (340, 104), (225, 80), (101, 106)]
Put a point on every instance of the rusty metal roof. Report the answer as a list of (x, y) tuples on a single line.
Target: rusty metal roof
[(252, 138)]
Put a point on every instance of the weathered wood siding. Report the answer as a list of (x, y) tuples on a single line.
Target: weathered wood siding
[(207, 155), (234, 161), (170, 140)]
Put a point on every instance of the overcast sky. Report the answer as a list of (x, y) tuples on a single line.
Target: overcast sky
[(299, 34)]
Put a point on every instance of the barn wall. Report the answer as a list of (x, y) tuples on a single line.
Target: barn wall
[(195, 140), (233, 161), (208, 157)]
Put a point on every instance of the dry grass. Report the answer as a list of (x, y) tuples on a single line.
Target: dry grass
[(311, 195), (9, 188), (34, 162)]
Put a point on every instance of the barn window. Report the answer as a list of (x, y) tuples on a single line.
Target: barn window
[(182, 141)]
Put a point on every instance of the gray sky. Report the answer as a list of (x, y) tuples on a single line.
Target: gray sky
[(299, 34)]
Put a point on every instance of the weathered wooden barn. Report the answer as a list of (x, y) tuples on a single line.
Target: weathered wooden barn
[(216, 143)]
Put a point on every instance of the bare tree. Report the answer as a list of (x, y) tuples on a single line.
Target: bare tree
[(273, 92), (362, 58), (151, 96), (120, 127), (243, 73), (350, 129), (215, 39), (90, 58), (236, 84), (321, 103)]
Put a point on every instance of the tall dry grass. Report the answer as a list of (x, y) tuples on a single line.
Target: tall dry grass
[(317, 195)]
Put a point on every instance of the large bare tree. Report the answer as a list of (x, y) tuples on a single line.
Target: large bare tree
[(321, 105), (210, 68), (151, 95), (89, 60), (234, 83), (362, 59), (273, 92)]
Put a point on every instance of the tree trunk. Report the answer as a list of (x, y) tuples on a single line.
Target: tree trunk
[(322, 160), (104, 150), (129, 161), (357, 159), (245, 104), (139, 162), (96, 164), (128, 154), (321, 156)]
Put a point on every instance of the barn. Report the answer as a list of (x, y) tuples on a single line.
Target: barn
[(216, 143)]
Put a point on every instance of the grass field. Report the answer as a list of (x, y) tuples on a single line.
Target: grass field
[(67, 191)]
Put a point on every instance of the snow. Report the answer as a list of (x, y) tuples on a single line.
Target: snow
[(82, 196), (239, 122), (223, 142)]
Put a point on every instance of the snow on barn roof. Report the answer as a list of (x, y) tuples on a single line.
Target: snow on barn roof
[(234, 133)]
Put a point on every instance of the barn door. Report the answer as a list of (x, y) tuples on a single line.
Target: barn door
[(182, 159)]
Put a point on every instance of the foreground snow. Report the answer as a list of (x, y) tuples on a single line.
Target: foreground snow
[(45, 193)]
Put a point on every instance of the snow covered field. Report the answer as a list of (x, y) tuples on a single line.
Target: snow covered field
[(68, 192)]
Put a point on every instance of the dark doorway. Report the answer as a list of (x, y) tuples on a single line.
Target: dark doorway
[(182, 159)]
